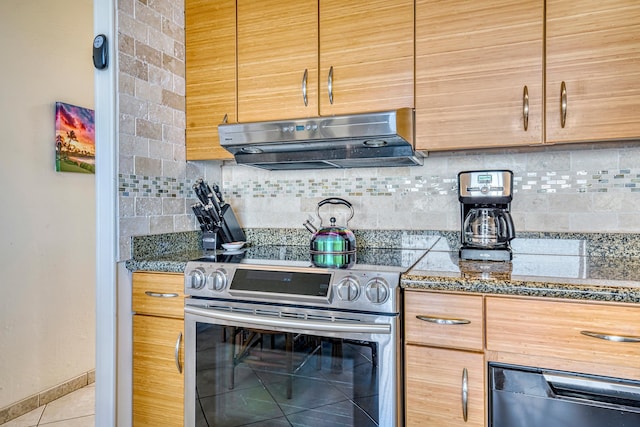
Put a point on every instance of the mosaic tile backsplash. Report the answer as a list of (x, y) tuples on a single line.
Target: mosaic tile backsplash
[(586, 190), (623, 180)]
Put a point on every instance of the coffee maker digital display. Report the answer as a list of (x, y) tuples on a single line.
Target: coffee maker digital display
[(486, 224)]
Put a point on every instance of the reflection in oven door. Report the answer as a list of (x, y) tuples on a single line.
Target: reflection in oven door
[(244, 375)]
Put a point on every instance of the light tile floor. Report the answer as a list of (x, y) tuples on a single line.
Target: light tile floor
[(76, 409)]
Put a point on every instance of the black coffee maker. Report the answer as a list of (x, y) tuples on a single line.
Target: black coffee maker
[(486, 223)]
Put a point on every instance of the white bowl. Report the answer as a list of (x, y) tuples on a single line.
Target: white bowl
[(233, 246)]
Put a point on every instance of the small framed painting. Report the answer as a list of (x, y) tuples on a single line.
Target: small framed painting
[(75, 139)]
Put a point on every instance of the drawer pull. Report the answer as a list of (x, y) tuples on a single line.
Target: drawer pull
[(525, 107), (609, 337), (176, 353), (304, 87), (443, 320), (160, 295), (563, 104), (465, 393), (330, 85)]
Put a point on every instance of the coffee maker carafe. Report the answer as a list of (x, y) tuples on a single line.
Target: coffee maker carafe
[(486, 224)]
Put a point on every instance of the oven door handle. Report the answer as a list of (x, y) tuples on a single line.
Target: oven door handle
[(266, 321)]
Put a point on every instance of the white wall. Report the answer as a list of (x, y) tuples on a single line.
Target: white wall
[(47, 219)]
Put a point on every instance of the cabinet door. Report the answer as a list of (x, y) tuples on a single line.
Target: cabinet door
[(474, 60), (277, 43), (434, 387), (158, 386), (369, 47), (210, 75), (593, 47)]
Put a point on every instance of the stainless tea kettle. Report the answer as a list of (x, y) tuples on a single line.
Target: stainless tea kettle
[(488, 227), (332, 246)]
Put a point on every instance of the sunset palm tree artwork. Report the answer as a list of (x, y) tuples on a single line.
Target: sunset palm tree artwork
[(75, 141)]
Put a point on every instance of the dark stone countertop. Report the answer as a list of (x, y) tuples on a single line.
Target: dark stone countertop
[(540, 268), (597, 267)]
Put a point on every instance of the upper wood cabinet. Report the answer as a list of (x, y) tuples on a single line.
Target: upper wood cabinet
[(593, 46), (478, 73), (368, 48), (289, 57), (210, 52), (277, 59)]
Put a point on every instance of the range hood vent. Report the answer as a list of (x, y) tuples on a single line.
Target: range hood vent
[(381, 139)]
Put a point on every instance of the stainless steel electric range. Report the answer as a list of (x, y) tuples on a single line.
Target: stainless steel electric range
[(271, 339)]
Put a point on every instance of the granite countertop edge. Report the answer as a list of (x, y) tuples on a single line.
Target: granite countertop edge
[(170, 252), (531, 288), (625, 293)]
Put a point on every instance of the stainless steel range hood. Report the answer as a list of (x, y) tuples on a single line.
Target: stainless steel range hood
[(380, 139)]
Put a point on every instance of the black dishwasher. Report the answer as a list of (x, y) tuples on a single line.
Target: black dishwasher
[(530, 397)]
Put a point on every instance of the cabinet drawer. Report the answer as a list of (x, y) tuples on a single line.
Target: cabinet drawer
[(560, 329), (160, 294), (444, 320)]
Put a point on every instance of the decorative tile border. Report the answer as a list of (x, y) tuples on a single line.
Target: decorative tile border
[(35, 401), (600, 181), (145, 186), (530, 182)]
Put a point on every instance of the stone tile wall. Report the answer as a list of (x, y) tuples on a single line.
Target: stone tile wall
[(588, 188), (154, 177)]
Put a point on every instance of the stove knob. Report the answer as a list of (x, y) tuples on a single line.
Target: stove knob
[(217, 280), (377, 291), (195, 278), (348, 289)]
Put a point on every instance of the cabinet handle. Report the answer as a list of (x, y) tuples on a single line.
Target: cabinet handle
[(563, 104), (443, 320), (176, 353), (160, 295), (465, 394), (609, 337), (330, 85), (525, 107), (304, 87)]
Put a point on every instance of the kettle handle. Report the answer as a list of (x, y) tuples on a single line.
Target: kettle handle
[(335, 201)]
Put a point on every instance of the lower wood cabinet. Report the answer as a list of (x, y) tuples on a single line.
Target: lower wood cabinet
[(444, 388), (444, 363), (158, 349), (158, 382)]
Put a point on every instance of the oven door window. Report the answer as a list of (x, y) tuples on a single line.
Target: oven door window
[(254, 377)]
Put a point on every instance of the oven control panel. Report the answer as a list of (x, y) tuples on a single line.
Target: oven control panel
[(355, 290)]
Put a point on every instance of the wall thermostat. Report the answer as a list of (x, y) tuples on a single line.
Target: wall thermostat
[(100, 52)]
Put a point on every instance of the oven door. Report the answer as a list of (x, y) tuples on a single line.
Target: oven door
[(272, 367)]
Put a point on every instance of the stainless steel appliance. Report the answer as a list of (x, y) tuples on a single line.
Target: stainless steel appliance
[(529, 397), (360, 140), (270, 338), (486, 224)]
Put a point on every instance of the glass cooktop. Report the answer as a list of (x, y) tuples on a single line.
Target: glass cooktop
[(389, 259)]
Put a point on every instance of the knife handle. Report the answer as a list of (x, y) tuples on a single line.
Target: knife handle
[(216, 190)]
